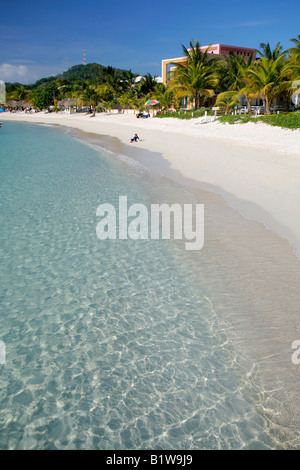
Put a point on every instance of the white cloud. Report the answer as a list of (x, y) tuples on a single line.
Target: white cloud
[(27, 74), (13, 73)]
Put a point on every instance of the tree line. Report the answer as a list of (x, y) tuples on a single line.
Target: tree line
[(204, 80)]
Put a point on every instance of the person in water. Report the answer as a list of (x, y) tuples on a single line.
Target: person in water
[(135, 138)]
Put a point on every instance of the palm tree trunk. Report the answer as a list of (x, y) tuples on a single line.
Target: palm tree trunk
[(249, 105), (196, 101), (268, 107)]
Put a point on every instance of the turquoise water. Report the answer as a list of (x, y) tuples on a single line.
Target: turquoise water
[(112, 344)]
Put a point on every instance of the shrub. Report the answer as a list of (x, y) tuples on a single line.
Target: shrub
[(287, 121), (188, 114)]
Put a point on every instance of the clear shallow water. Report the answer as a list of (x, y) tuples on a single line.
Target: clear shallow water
[(114, 344)]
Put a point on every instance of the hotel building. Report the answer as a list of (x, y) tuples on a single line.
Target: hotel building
[(218, 50)]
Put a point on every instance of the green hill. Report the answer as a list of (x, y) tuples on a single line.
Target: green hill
[(83, 72), (80, 73), (76, 73)]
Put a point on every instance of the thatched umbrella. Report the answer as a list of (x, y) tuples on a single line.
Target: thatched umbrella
[(67, 102), (11, 104), (17, 104)]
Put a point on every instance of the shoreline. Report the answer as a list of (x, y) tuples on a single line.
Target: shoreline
[(244, 163), (250, 278)]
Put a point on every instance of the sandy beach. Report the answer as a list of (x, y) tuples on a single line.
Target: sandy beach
[(255, 167)]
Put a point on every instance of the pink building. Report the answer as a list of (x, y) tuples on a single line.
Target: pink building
[(222, 49), (217, 49)]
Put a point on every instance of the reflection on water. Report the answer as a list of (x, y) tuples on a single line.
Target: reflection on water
[(123, 344)]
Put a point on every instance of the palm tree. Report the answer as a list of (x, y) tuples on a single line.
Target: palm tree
[(236, 67), (91, 97), (194, 80), (111, 79), (234, 76), (227, 100), (77, 92), (196, 56), (296, 48), (243, 67), (106, 93), (267, 51), (293, 73), (128, 99), (198, 77), (268, 78), (248, 94), (165, 96), (229, 73), (19, 93), (127, 80), (294, 64), (135, 103), (147, 84)]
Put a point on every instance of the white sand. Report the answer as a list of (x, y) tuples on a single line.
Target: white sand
[(255, 166)]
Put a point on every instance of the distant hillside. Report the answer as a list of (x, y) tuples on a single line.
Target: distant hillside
[(83, 72), (77, 72)]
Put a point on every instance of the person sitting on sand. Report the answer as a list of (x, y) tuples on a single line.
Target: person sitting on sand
[(135, 138)]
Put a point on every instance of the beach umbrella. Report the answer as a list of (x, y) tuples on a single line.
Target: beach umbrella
[(67, 102), (152, 103), (12, 104)]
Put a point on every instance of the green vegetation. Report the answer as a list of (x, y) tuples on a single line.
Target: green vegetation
[(203, 82), (287, 120), (232, 119), (196, 79), (188, 114), (91, 85), (43, 97), (290, 120)]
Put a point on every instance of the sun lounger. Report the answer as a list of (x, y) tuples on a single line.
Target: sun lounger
[(205, 119)]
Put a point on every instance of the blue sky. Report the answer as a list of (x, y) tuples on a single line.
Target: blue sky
[(41, 38)]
